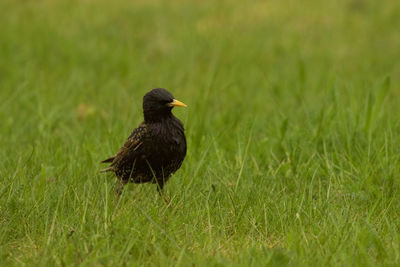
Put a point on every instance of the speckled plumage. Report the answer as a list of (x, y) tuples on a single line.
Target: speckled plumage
[(155, 149)]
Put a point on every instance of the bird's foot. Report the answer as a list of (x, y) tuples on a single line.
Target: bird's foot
[(119, 190), (166, 200)]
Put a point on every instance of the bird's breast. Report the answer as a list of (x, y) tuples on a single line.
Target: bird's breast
[(166, 139)]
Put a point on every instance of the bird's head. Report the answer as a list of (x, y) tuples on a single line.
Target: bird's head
[(158, 103)]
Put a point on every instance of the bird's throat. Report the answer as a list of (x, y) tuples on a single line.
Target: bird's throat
[(152, 116)]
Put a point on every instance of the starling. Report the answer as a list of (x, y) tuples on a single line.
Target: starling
[(156, 148)]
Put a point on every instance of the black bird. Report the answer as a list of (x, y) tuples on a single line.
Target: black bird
[(156, 148)]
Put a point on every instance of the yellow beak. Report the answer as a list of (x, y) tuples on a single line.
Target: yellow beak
[(176, 103)]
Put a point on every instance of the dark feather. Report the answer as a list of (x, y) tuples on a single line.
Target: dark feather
[(108, 160), (156, 148)]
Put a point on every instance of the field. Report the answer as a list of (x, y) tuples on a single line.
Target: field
[(292, 124)]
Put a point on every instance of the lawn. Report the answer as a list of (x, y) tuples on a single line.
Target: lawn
[(293, 130)]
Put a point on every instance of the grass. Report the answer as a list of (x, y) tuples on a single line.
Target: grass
[(292, 127)]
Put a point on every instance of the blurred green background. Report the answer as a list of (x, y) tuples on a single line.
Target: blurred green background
[(292, 126)]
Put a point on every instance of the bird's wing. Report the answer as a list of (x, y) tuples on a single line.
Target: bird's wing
[(133, 143)]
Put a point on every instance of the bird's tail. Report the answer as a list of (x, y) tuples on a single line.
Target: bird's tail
[(108, 160), (109, 169)]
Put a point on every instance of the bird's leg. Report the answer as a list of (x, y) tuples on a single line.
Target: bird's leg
[(160, 186), (166, 200), (119, 189)]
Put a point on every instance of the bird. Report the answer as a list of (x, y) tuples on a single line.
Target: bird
[(156, 148)]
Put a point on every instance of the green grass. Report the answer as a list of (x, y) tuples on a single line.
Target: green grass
[(293, 129)]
